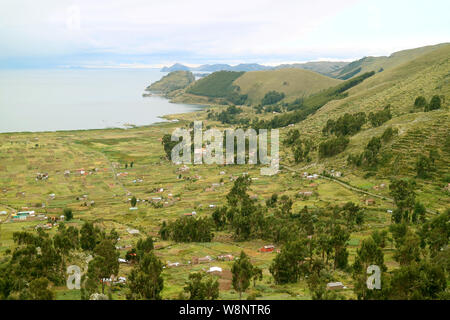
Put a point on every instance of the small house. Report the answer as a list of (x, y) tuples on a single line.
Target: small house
[(335, 286), (206, 259), (305, 193), (370, 202), (225, 257), (215, 269), (267, 248)]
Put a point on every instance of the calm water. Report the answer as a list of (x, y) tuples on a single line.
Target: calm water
[(49, 100)]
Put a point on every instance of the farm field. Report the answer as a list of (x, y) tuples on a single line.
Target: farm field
[(90, 166)]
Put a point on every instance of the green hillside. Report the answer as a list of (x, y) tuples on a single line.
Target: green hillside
[(348, 193), (323, 67), (173, 81), (378, 64), (216, 85), (294, 83), (419, 132)]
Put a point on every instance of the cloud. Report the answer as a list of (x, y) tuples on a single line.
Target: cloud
[(201, 30)]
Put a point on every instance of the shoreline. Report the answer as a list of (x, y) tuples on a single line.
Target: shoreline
[(129, 126)]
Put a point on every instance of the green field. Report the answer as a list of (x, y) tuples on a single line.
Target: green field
[(91, 165)]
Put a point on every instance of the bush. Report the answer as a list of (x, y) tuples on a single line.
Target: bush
[(435, 104), (68, 214), (380, 117), (420, 102), (333, 146), (272, 97)]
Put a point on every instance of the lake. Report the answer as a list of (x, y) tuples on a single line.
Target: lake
[(71, 99)]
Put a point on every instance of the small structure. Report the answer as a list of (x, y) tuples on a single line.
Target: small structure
[(305, 193), (335, 286), (173, 264), (123, 260), (215, 269), (267, 248), (41, 176), (225, 257), (369, 202), (205, 259), (133, 231)]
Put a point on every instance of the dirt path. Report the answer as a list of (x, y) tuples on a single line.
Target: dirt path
[(350, 187)]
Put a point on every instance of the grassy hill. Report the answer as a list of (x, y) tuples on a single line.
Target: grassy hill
[(173, 81), (419, 131), (323, 67), (381, 63), (216, 85), (167, 191), (294, 83)]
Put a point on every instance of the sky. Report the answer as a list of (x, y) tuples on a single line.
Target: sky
[(150, 33)]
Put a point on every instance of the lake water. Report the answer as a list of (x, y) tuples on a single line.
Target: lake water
[(70, 99)]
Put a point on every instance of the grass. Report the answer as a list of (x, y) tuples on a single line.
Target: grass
[(108, 150), (294, 83)]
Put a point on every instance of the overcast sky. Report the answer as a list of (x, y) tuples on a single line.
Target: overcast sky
[(154, 33)]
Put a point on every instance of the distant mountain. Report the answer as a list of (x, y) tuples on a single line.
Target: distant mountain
[(175, 67), (217, 67)]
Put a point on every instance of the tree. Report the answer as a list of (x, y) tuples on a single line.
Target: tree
[(105, 262), (188, 229), (404, 196), (144, 246), (333, 146), (201, 289), (219, 217), (353, 214), (423, 167), (380, 117), (435, 103), (368, 254), (89, 236), (39, 290), (339, 238), (256, 275), (419, 212), (168, 145), (133, 201), (68, 215), (436, 232), (242, 271), (285, 206), (420, 102), (271, 202), (64, 241), (272, 97), (286, 267), (145, 280), (409, 251), (380, 238), (418, 281)]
